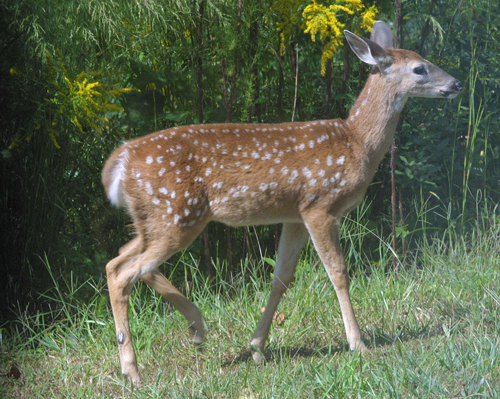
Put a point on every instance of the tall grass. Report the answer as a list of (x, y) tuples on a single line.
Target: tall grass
[(432, 330)]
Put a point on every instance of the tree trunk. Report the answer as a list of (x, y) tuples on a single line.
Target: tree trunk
[(399, 43), (281, 85), (230, 101), (346, 72), (327, 103), (199, 109), (199, 61), (253, 40)]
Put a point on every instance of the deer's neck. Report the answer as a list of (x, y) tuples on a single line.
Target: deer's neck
[(374, 117)]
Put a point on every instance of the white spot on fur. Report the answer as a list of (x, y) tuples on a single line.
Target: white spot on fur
[(341, 160), (149, 159), (163, 190), (293, 175)]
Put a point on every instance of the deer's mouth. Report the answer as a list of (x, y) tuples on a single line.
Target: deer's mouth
[(449, 94)]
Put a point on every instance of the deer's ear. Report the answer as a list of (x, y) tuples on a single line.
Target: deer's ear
[(382, 35), (368, 51)]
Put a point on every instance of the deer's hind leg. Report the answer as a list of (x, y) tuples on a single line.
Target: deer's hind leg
[(172, 295), (139, 259)]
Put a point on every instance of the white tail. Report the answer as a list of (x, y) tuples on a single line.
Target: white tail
[(306, 175)]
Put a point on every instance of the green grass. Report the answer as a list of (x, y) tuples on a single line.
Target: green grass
[(432, 329)]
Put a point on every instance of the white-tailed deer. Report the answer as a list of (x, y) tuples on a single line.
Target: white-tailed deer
[(306, 175)]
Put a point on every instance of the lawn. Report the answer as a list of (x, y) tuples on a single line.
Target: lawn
[(432, 330)]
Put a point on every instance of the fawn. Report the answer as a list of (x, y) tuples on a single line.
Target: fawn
[(306, 175)]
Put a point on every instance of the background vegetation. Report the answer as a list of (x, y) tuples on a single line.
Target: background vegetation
[(78, 77)]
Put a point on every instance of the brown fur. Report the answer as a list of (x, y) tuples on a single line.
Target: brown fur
[(306, 175)]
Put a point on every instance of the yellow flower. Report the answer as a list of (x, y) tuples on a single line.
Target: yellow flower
[(368, 18), (325, 21), (53, 138)]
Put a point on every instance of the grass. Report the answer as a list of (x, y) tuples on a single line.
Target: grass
[(432, 329)]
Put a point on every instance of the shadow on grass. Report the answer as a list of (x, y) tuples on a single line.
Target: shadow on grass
[(377, 340), (293, 352)]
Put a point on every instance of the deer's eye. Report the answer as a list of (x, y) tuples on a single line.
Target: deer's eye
[(419, 70)]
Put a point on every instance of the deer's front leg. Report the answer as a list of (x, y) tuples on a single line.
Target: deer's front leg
[(293, 237), (325, 236)]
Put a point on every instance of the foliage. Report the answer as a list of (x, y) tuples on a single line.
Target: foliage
[(323, 19), (449, 162), (312, 17), (83, 102)]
